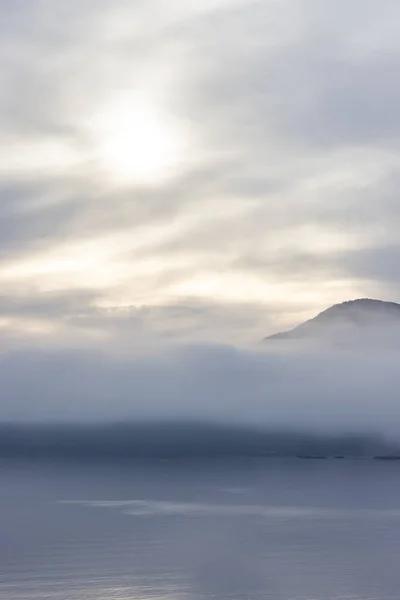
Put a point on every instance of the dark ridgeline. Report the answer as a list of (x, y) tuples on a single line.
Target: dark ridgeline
[(179, 440), (365, 316)]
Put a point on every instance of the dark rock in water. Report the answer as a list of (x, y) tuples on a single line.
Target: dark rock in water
[(305, 456), (387, 457)]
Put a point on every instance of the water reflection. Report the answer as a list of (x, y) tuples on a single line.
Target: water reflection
[(178, 532)]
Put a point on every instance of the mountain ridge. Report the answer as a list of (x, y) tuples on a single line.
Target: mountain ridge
[(350, 316)]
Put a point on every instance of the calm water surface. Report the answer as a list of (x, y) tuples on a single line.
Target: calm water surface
[(237, 530)]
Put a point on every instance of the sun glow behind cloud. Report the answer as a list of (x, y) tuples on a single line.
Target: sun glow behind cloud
[(159, 155), (136, 142)]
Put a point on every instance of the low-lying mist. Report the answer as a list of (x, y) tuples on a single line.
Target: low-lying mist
[(283, 389)]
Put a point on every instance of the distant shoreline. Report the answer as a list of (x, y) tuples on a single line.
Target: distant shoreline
[(177, 440)]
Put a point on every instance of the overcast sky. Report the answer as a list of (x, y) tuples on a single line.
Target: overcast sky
[(198, 169)]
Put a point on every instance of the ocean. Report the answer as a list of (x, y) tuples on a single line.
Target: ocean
[(226, 529)]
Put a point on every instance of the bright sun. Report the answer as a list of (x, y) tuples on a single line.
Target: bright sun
[(135, 143)]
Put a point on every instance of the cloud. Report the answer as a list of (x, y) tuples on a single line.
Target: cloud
[(190, 319), (336, 391), (48, 306), (290, 176)]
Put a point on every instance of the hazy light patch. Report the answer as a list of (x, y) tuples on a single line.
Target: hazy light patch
[(309, 239), (86, 264), (52, 263), (231, 287), (323, 239), (5, 322), (26, 157), (130, 259), (25, 326), (196, 7), (91, 256), (136, 142), (347, 168)]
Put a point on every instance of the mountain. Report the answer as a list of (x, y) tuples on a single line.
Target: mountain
[(354, 318)]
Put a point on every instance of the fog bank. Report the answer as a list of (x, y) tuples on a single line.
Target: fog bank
[(330, 390)]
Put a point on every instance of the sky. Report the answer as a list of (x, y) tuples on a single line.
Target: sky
[(208, 171), (179, 180)]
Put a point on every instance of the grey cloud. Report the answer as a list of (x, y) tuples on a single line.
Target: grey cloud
[(184, 321), (57, 57), (376, 264), (309, 84), (380, 263), (31, 304), (296, 266), (349, 104), (79, 312), (31, 217)]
